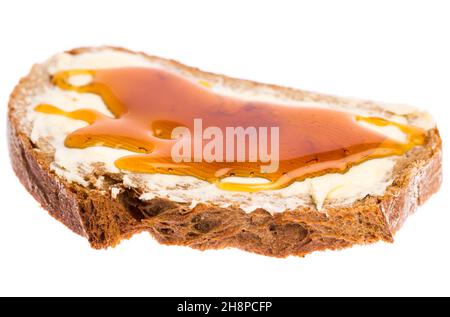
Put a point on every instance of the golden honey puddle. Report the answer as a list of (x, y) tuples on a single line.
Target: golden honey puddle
[(147, 104)]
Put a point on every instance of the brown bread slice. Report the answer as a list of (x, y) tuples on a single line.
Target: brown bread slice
[(105, 219)]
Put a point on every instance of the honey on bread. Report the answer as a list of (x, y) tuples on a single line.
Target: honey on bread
[(147, 104)]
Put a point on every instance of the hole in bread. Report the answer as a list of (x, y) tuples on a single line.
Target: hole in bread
[(192, 235), (292, 232), (140, 209), (205, 222), (166, 231)]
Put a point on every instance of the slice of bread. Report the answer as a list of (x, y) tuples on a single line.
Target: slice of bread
[(83, 188)]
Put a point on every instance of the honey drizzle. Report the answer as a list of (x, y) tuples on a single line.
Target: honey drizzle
[(148, 103)]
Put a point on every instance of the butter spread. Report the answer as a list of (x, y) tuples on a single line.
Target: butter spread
[(368, 178)]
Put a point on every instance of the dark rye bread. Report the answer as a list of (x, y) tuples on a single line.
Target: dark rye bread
[(105, 220)]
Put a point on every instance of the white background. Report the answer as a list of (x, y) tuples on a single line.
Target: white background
[(397, 51)]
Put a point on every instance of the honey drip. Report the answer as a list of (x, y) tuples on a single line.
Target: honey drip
[(147, 104)]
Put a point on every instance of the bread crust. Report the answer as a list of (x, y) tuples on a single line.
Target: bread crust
[(105, 220)]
